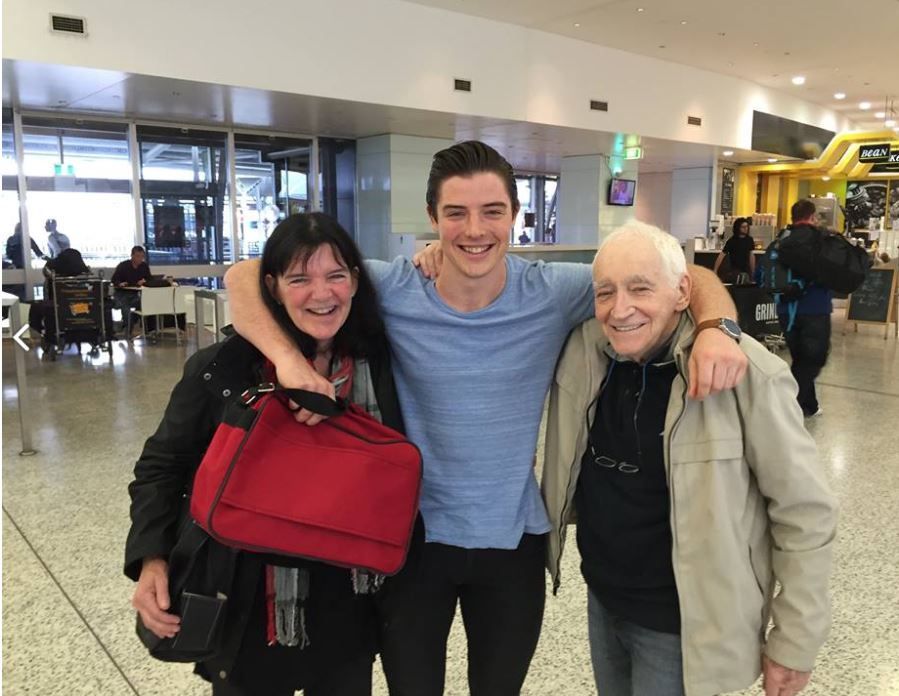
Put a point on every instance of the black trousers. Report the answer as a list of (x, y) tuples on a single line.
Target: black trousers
[(352, 679), (809, 344), (501, 594)]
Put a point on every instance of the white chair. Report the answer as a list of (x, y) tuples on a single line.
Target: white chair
[(156, 302)]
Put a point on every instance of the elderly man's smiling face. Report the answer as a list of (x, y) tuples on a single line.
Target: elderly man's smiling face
[(638, 299)]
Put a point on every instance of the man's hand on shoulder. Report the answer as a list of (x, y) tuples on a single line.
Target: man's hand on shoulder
[(716, 363), (429, 260)]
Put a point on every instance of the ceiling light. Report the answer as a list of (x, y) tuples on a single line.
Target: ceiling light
[(799, 80), (839, 95), (728, 153), (879, 114), (683, 21), (577, 24), (639, 9), (756, 44), (825, 178), (890, 123), (772, 160), (864, 106)]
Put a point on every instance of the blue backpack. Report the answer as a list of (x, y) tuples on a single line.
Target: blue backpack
[(779, 280)]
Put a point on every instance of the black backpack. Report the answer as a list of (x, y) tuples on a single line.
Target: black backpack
[(822, 258)]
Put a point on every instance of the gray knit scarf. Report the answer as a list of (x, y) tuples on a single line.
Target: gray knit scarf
[(291, 585)]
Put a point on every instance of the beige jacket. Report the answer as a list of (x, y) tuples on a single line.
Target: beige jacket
[(749, 505)]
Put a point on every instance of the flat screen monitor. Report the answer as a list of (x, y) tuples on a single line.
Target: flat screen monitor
[(621, 191)]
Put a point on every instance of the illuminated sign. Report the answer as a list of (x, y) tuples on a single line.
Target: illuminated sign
[(633, 153), (874, 153)]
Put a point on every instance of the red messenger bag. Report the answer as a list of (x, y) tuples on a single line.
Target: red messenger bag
[(344, 492)]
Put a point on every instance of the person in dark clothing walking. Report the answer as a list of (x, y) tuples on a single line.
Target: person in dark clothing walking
[(809, 336), (14, 251)]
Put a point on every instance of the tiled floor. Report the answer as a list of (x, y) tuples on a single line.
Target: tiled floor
[(68, 627)]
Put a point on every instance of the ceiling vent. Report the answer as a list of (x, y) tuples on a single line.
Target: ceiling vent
[(462, 85), (62, 24), (694, 121), (596, 105)]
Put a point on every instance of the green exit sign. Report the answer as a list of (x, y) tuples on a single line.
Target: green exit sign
[(633, 153), (64, 169)]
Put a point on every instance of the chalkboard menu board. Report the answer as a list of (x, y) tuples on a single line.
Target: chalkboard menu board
[(871, 302), (727, 191)]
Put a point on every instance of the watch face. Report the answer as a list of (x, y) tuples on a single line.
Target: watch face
[(731, 328)]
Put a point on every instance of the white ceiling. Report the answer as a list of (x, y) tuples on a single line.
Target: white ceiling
[(530, 147), (838, 45)]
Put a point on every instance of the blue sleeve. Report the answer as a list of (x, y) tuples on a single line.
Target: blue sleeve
[(572, 286), (386, 275)]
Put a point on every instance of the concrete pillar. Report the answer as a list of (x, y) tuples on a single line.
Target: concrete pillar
[(391, 179), (691, 196), (585, 217)]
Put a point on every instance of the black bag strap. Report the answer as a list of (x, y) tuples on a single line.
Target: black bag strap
[(311, 401), (315, 402)]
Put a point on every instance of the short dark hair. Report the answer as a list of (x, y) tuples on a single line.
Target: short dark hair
[(464, 159), (138, 248), (802, 209), (296, 238)]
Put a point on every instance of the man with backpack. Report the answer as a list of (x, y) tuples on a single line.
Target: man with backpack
[(806, 319)]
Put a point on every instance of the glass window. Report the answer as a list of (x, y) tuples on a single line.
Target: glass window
[(78, 179), (183, 192), (536, 220), (272, 182), (9, 198)]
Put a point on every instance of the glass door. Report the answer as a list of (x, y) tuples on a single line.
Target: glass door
[(183, 195), (272, 182)]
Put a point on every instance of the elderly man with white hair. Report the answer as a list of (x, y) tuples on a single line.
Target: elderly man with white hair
[(688, 511)]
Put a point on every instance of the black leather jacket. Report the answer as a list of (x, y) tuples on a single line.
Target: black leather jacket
[(160, 493)]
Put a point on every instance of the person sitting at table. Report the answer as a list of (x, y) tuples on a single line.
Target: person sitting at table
[(129, 275)]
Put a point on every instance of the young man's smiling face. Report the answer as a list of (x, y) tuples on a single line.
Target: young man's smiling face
[(473, 218)]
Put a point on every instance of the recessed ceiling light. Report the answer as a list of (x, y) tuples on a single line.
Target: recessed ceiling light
[(799, 80), (825, 178), (683, 21), (864, 106), (839, 95), (640, 9), (772, 160), (577, 24), (890, 123), (728, 153), (879, 114), (756, 44)]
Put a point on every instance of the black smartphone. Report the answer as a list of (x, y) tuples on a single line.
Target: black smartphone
[(200, 619)]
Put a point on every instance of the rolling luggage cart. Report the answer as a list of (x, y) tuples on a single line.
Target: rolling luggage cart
[(81, 313)]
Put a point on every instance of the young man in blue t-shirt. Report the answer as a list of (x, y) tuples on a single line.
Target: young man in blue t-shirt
[(474, 354)]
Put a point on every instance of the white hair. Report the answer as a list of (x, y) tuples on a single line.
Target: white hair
[(673, 262)]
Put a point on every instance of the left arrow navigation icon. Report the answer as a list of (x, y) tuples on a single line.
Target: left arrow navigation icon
[(17, 337)]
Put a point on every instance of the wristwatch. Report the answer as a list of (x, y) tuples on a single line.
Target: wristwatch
[(728, 326)]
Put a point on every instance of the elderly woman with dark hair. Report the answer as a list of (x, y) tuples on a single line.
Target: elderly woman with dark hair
[(315, 284)]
